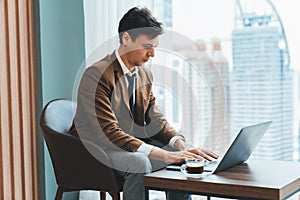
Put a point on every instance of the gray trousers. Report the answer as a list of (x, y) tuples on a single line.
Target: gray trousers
[(132, 167)]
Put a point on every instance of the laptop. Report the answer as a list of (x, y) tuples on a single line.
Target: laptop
[(239, 151)]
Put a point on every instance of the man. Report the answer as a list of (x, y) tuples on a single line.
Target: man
[(116, 108)]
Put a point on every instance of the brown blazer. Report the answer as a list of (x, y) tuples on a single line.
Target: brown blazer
[(103, 114)]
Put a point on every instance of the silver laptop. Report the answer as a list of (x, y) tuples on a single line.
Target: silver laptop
[(239, 151), (241, 148)]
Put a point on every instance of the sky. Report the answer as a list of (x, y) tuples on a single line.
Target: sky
[(202, 19)]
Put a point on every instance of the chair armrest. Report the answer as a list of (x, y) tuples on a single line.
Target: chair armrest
[(75, 166)]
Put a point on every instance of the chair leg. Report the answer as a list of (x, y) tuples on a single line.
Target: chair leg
[(59, 193), (102, 195), (115, 196)]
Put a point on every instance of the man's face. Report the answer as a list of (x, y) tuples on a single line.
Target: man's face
[(141, 50)]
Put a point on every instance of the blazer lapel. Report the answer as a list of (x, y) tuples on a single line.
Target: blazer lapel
[(120, 81)]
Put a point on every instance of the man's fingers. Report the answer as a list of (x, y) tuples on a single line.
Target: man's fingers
[(207, 155), (180, 156), (188, 154), (193, 154), (210, 153)]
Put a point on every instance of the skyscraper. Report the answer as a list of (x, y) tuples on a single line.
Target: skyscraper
[(222, 65), (188, 92), (176, 85), (262, 80), (163, 11)]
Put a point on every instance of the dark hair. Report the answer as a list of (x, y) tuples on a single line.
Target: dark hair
[(139, 21)]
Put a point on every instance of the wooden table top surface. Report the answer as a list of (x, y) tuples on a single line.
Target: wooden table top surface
[(254, 179)]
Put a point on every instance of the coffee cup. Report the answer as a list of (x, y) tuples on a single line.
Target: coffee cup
[(194, 166)]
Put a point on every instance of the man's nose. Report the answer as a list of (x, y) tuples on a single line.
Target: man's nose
[(151, 52)]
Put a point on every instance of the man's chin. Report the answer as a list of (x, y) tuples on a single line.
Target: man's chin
[(140, 64)]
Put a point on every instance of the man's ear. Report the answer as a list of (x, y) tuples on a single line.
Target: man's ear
[(126, 38)]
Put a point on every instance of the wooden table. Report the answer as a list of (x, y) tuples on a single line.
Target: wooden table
[(255, 179)]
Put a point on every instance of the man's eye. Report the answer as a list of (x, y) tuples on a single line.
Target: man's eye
[(147, 46)]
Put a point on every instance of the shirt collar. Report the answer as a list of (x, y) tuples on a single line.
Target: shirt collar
[(123, 66)]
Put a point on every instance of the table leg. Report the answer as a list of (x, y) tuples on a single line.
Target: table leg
[(146, 193)]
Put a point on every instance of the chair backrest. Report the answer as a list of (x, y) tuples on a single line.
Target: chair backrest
[(59, 114), (74, 166)]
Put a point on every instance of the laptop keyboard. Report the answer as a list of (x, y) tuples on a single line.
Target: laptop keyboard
[(211, 166), (211, 163)]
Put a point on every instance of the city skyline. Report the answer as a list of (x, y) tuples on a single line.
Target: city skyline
[(174, 23), (197, 121), (219, 22)]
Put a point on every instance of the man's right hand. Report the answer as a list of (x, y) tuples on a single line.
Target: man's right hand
[(171, 156), (179, 156)]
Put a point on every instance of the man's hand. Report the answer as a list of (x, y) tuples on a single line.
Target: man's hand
[(171, 156), (206, 154), (180, 156)]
